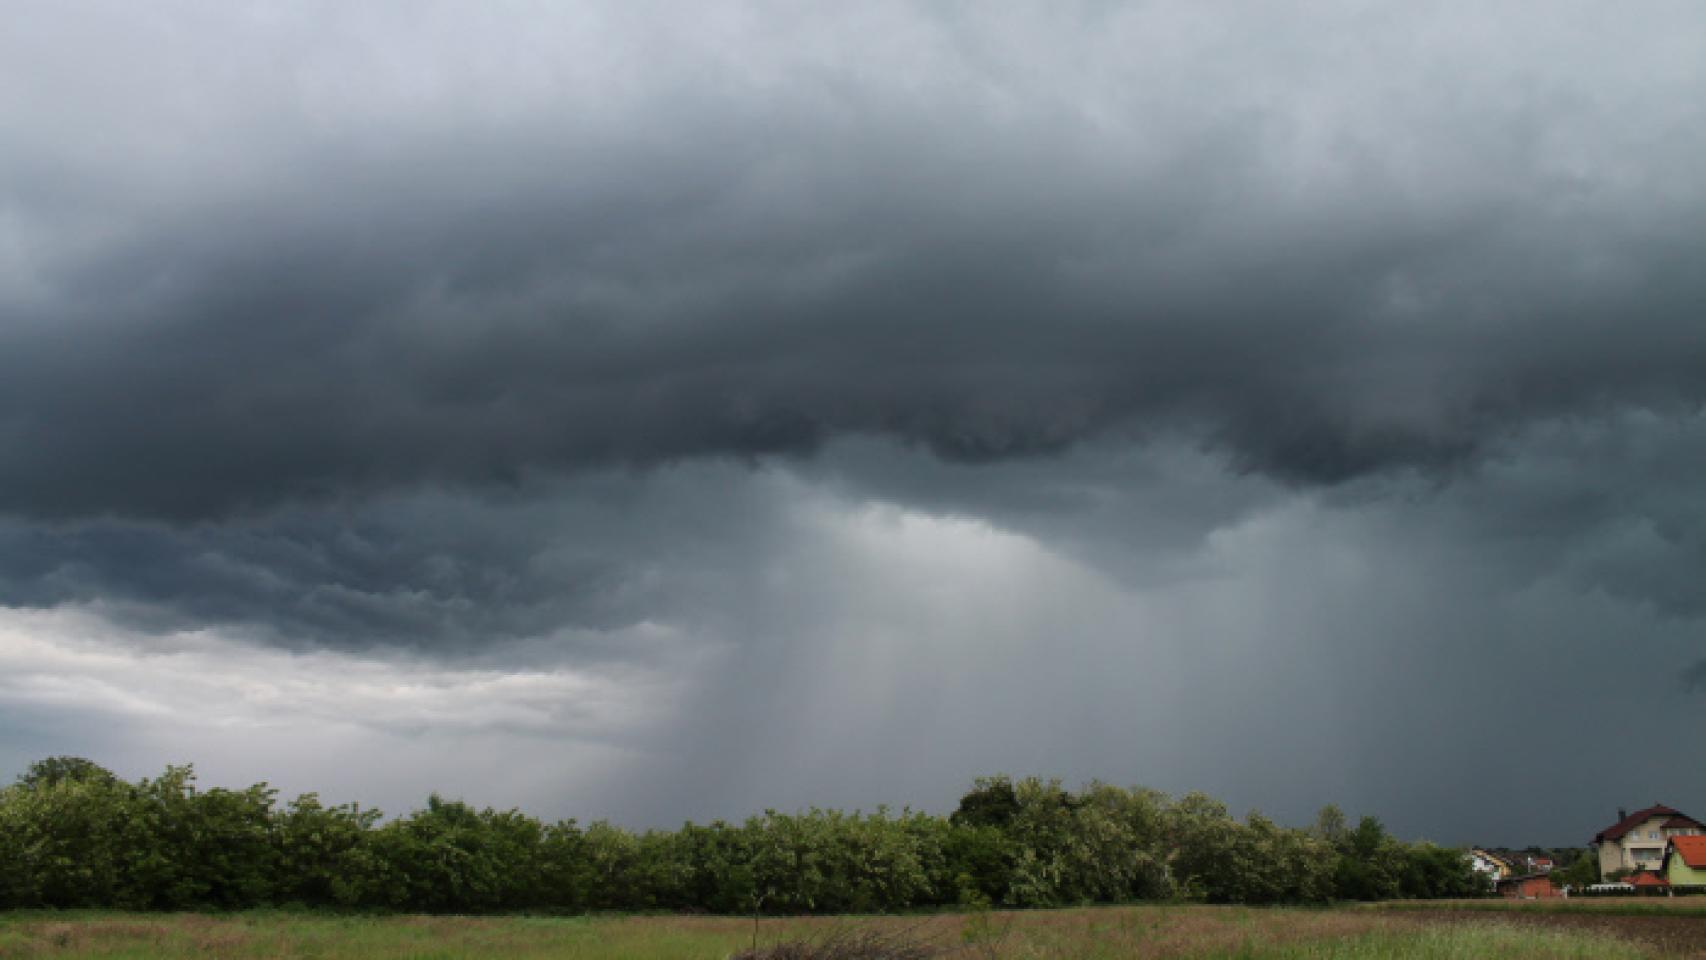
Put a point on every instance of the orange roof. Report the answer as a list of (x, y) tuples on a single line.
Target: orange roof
[(1692, 850), (1647, 878)]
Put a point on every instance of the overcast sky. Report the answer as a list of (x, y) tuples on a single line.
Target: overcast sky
[(657, 411)]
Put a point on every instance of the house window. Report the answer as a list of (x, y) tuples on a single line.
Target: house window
[(1652, 834)]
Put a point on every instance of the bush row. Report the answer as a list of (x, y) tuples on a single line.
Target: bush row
[(74, 835)]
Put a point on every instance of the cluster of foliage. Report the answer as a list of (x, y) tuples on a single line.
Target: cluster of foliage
[(1577, 872), (74, 835), (1372, 865)]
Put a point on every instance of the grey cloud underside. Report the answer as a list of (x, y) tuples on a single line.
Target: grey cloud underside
[(564, 567), (571, 566), (305, 338), (1247, 397), (278, 374), (1320, 288)]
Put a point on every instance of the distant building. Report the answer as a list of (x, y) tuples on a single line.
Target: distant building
[(1637, 840), (1489, 864), (1685, 861), (1534, 886)]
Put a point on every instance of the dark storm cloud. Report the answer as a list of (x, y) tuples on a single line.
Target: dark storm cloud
[(565, 564), (1268, 390), (1694, 678), (1323, 285), (1609, 506)]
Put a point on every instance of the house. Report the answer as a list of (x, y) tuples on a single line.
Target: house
[(1637, 840), (1489, 864), (1533, 886), (1685, 861)]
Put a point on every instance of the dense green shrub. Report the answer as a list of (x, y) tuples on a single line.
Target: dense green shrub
[(318, 850), (74, 835)]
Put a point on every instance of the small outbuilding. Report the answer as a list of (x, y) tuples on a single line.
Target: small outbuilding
[(1533, 886)]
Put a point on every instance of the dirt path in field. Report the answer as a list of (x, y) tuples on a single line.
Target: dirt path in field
[(1675, 936)]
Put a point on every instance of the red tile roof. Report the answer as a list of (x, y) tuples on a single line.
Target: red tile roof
[(1692, 850), (1616, 831), (1647, 878)]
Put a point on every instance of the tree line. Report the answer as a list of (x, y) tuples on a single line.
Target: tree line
[(74, 835)]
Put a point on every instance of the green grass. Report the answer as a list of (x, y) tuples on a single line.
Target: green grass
[(1209, 933), (1456, 943), (1600, 906)]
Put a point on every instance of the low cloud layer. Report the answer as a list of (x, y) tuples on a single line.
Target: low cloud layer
[(1267, 400), (279, 271)]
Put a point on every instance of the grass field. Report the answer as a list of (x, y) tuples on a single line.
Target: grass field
[(1590, 906), (1118, 932)]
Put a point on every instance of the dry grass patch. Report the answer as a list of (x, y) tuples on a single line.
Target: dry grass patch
[(1113, 933), (849, 945)]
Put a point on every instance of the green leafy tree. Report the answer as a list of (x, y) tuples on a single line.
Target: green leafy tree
[(75, 842), (56, 770), (991, 802), (1581, 872), (1370, 863), (73, 835), (979, 861), (317, 850), (1431, 871), (449, 858), (211, 848), (1331, 826), (611, 854)]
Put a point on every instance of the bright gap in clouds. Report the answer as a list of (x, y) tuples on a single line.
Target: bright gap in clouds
[(70, 657), (864, 638), (320, 720)]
